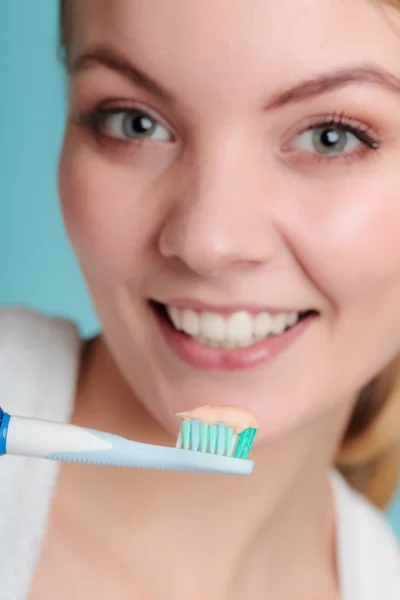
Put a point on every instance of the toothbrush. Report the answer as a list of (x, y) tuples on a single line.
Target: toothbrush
[(201, 449)]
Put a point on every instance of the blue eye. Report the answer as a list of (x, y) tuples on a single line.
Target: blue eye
[(132, 124)]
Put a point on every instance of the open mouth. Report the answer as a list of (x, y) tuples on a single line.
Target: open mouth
[(239, 329)]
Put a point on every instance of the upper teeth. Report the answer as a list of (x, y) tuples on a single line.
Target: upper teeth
[(238, 329)]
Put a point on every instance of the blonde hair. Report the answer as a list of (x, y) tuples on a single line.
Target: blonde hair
[(369, 455)]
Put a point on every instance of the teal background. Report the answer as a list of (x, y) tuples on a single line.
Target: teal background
[(36, 264), (37, 267)]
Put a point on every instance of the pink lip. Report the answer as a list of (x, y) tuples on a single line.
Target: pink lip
[(199, 306), (219, 359)]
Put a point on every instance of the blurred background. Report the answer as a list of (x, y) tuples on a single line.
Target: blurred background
[(37, 267)]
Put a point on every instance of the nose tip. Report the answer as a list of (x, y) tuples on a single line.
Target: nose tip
[(211, 247), (208, 257)]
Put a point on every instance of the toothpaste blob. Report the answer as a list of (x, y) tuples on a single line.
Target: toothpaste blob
[(239, 419)]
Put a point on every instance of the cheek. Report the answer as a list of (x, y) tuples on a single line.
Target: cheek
[(109, 212), (348, 243), (353, 257), (353, 251)]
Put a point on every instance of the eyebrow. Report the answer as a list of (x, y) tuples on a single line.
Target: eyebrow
[(334, 80), (110, 59), (310, 88)]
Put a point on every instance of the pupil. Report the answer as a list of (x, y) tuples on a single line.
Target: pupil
[(330, 137), (141, 124)]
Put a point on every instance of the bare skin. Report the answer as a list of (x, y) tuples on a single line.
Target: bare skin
[(238, 199), (114, 529)]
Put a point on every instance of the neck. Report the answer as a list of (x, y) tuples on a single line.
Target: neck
[(213, 530)]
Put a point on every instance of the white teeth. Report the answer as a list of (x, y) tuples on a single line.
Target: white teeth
[(246, 343), (212, 326), (292, 318), (175, 315), (279, 323), (262, 325), (190, 322), (228, 345), (240, 329)]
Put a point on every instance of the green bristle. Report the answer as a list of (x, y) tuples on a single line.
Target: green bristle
[(248, 442), (240, 444), (203, 437), (245, 442), (213, 438), (229, 441), (186, 434)]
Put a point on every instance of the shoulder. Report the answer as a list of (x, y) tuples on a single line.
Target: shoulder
[(22, 325), (367, 546), (39, 357)]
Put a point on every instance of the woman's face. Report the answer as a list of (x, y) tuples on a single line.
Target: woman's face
[(238, 157)]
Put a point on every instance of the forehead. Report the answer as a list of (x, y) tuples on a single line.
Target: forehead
[(196, 42)]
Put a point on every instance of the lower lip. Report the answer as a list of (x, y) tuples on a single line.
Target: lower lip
[(221, 359)]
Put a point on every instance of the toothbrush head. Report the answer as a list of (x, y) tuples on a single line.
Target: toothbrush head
[(222, 430), (216, 439)]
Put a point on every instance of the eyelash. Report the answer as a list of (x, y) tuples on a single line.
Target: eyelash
[(93, 120), (370, 142)]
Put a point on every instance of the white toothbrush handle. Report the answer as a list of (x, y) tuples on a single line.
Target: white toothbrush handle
[(41, 439), (69, 443)]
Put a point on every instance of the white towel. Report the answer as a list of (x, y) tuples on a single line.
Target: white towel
[(38, 370)]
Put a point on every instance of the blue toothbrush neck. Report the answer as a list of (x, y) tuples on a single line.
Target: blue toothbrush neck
[(4, 421)]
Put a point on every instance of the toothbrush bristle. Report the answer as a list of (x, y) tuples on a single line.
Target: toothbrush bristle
[(216, 439), (221, 439), (195, 434)]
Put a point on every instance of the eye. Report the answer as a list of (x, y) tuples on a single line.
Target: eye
[(327, 140), (134, 125)]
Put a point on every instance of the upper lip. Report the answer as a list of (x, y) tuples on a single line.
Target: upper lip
[(201, 306)]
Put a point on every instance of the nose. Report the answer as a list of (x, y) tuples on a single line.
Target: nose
[(221, 220)]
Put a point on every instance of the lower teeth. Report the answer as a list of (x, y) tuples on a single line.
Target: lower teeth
[(230, 345)]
